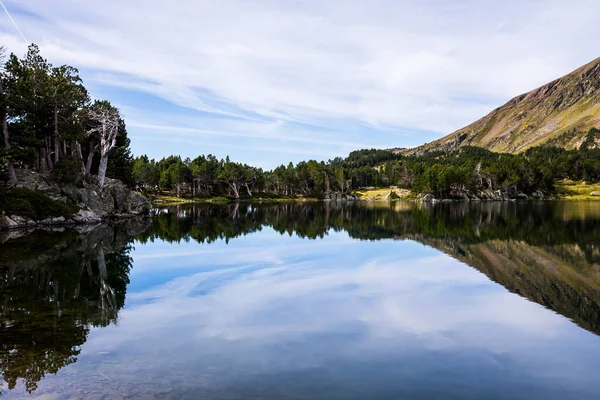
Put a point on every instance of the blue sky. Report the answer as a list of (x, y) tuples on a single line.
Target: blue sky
[(272, 81)]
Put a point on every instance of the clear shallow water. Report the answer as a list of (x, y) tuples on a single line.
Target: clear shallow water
[(309, 301)]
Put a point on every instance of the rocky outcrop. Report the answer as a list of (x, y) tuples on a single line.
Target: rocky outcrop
[(338, 196), (112, 201), (482, 195)]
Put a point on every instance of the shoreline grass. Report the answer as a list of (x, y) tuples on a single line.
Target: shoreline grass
[(576, 190)]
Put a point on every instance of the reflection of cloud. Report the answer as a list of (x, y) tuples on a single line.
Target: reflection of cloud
[(345, 314), (281, 290)]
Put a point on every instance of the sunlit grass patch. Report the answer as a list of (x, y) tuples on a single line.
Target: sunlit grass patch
[(381, 193), (576, 190)]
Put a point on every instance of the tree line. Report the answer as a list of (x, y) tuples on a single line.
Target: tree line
[(50, 123), (444, 174)]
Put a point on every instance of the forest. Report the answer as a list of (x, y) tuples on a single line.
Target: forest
[(51, 125), (444, 174)]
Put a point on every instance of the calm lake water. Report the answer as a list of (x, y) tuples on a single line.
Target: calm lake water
[(309, 301)]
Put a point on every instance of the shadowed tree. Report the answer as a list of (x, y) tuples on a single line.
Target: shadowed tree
[(6, 90)]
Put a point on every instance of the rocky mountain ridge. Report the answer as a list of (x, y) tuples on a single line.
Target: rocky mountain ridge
[(559, 113)]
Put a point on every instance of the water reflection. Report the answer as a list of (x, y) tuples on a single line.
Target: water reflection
[(546, 252), (54, 286), (273, 315)]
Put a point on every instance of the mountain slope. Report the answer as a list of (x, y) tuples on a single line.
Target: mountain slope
[(559, 113)]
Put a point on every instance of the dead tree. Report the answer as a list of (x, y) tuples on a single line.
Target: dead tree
[(107, 121)]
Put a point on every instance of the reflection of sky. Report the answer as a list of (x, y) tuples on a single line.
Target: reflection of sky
[(279, 316)]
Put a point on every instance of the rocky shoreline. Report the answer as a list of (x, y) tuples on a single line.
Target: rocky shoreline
[(95, 204), (485, 195), (456, 196)]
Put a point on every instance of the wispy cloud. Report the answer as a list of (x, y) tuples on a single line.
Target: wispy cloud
[(390, 66)]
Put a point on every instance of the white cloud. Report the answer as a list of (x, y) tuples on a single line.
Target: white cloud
[(394, 65)]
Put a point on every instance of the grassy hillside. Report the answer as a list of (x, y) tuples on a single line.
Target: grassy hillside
[(559, 113)]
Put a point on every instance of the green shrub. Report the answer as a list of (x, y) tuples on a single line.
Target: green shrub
[(67, 171), (30, 204)]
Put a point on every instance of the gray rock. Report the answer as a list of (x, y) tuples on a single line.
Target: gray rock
[(595, 193), (7, 223), (86, 217), (112, 199), (20, 221), (538, 194), (427, 198), (522, 196)]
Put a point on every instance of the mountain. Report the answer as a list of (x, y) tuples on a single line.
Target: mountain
[(559, 113)]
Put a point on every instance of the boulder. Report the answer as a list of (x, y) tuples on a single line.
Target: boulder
[(331, 195), (595, 193), (20, 221), (86, 217), (7, 223), (489, 195), (522, 196), (53, 221), (538, 194), (427, 198)]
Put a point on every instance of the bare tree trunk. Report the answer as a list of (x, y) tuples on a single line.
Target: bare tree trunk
[(248, 189), (107, 301), (56, 149), (235, 212), (11, 168), (102, 169), (234, 187), (48, 153), (56, 138), (78, 150), (43, 160), (90, 158)]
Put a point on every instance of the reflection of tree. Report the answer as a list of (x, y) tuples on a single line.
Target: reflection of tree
[(546, 252), (542, 224), (54, 287)]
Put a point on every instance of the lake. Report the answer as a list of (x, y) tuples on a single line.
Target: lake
[(308, 301)]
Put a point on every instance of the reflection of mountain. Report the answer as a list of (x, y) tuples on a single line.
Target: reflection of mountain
[(53, 287), (546, 252), (557, 277)]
